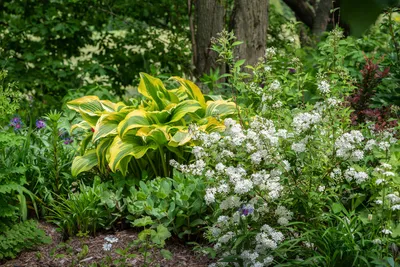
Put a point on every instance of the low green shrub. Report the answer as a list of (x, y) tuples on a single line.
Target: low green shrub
[(87, 211), (20, 236), (176, 203)]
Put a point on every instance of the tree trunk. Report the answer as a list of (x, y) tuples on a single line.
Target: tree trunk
[(321, 19), (209, 22), (302, 10), (250, 24)]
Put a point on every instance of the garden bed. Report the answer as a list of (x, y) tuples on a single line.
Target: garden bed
[(69, 253)]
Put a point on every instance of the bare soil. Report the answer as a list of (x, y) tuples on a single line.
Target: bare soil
[(69, 253)]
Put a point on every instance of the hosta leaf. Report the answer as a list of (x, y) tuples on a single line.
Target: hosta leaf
[(107, 125), (110, 106), (159, 135), (81, 125), (180, 138), (89, 105), (183, 108), (211, 125), (84, 163), (220, 108), (192, 90), (102, 151), (135, 119), (154, 89), (133, 146)]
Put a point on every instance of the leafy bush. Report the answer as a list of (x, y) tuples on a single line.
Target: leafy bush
[(19, 237), (286, 183), (86, 211), (176, 203), (133, 139)]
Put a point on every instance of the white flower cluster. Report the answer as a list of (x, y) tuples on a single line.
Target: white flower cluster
[(284, 215), (324, 87), (346, 146), (352, 175), (268, 238), (110, 241), (304, 121)]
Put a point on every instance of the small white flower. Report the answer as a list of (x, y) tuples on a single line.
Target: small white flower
[(379, 181), (321, 188), (386, 232), (396, 207), (378, 202), (377, 241), (107, 246), (111, 239)]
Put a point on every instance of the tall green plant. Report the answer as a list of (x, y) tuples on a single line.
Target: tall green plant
[(144, 139)]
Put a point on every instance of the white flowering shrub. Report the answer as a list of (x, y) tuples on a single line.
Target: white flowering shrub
[(272, 180)]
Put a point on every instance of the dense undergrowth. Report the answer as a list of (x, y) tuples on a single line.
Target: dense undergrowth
[(297, 164)]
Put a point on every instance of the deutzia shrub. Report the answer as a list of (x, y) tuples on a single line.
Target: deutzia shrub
[(266, 176)]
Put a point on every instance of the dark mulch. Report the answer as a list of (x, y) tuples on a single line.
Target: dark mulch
[(60, 253)]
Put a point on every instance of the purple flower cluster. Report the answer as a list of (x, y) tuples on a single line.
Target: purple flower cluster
[(40, 123), (65, 136), (16, 123), (68, 140), (246, 210)]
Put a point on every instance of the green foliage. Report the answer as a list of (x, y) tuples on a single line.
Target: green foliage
[(61, 45), (20, 236), (362, 14), (133, 139), (176, 203), (10, 97), (89, 210)]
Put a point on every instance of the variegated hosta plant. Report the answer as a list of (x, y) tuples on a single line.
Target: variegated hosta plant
[(135, 139)]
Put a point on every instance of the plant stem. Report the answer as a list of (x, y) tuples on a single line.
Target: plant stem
[(164, 164)]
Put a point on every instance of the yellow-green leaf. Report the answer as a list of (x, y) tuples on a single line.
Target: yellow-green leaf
[(84, 163), (120, 149), (183, 108), (192, 90), (220, 108), (135, 119)]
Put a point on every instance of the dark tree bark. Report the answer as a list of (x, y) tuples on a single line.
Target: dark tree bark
[(209, 22), (302, 10), (321, 19), (250, 24)]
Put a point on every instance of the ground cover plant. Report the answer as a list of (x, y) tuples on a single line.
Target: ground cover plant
[(120, 151)]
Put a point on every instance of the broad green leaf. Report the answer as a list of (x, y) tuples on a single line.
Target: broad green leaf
[(135, 119), (102, 151), (161, 235), (192, 90), (212, 125), (84, 163), (180, 138), (81, 125), (89, 105), (142, 221), (154, 89), (220, 108), (107, 125), (166, 254), (183, 108), (239, 63), (130, 147), (159, 135)]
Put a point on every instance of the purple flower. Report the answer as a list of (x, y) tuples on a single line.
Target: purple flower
[(246, 210), (68, 140), (16, 123), (40, 123), (292, 70)]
